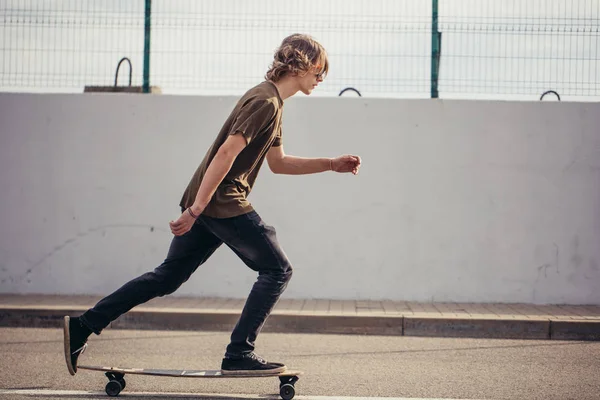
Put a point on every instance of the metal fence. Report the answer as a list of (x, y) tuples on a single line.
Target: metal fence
[(508, 49), (516, 47)]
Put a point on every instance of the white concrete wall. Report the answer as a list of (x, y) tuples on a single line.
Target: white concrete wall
[(456, 200)]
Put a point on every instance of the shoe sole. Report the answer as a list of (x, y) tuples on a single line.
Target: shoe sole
[(67, 345), (254, 371)]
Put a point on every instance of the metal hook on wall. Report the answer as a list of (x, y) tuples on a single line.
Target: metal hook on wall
[(550, 91), (119, 66), (350, 88)]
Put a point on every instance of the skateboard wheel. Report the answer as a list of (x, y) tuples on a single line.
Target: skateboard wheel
[(122, 382), (113, 388), (287, 391)]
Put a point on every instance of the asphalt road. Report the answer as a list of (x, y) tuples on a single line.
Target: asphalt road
[(336, 366)]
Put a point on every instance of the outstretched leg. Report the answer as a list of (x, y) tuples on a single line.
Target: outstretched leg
[(186, 253)]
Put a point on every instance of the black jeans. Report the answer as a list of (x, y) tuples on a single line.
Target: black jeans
[(248, 236)]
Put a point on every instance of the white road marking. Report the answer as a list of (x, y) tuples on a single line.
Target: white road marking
[(80, 393)]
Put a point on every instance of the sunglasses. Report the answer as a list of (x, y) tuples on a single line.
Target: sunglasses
[(321, 74)]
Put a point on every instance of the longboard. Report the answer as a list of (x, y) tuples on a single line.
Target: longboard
[(116, 377)]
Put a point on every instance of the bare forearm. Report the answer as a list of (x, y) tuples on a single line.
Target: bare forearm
[(215, 173), (292, 165)]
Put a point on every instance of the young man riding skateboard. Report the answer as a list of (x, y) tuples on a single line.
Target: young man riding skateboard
[(215, 210)]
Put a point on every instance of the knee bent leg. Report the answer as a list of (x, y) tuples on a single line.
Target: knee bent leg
[(282, 277)]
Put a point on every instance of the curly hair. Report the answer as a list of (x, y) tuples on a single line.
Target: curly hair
[(298, 54)]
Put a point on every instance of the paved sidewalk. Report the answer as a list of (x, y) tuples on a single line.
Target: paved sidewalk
[(517, 321)]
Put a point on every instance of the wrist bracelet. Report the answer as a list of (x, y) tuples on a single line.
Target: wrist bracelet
[(331, 164), (191, 213)]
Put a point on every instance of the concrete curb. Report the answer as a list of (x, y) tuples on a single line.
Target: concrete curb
[(208, 320), (478, 328), (575, 330)]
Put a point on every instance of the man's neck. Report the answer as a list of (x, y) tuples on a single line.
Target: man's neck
[(287, 87)]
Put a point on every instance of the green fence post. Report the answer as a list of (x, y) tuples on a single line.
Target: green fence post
[(435, 49), (146, 85)]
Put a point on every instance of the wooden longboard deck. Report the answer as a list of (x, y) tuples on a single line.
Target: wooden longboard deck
[(206, 373)]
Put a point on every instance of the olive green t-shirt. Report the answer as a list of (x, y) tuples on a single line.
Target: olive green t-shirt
[(257, 116)]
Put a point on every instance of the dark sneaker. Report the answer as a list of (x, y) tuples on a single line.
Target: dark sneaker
[(249, 364), (75, 339)]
